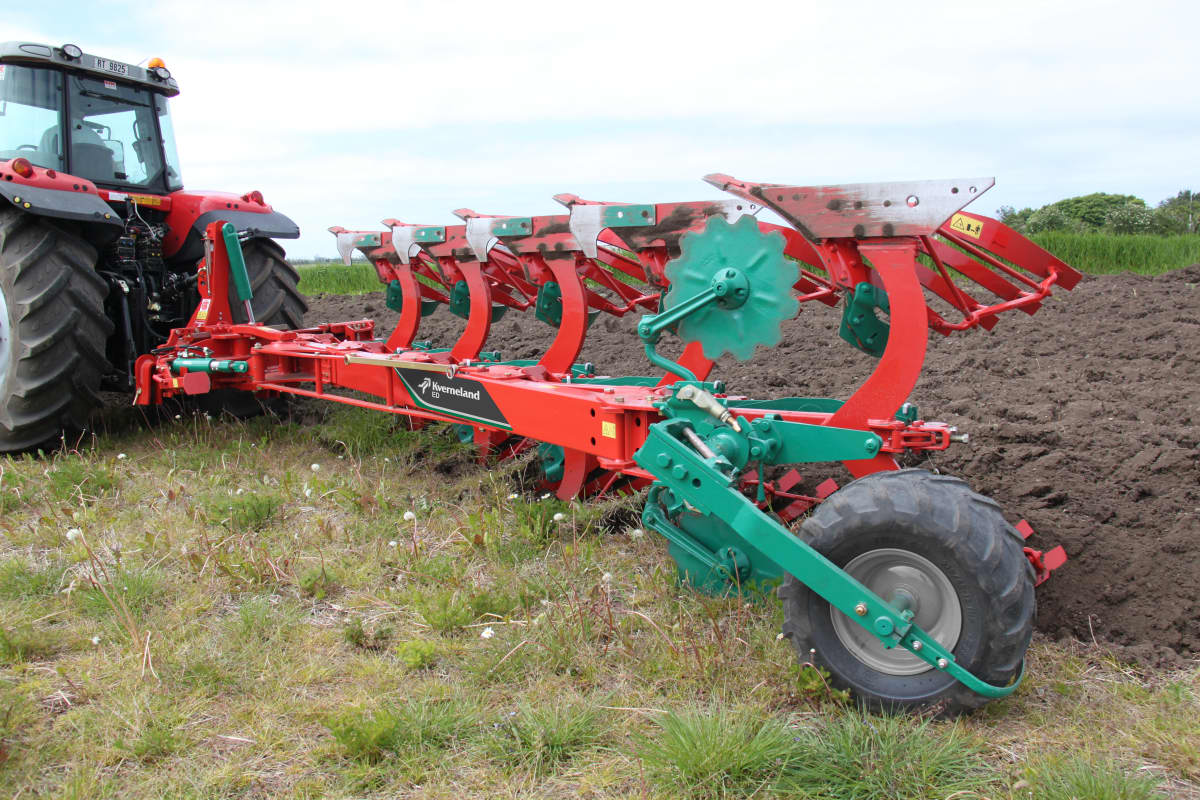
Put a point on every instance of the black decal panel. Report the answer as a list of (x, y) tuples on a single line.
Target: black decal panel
[(457, 397)]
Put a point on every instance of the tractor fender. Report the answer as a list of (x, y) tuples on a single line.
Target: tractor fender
[(191, 212), (59, 196)]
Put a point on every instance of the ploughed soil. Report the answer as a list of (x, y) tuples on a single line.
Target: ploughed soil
[(1084, 419)]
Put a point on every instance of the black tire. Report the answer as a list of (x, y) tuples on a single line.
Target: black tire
[(52, 334), (963, 534), (277, 301)]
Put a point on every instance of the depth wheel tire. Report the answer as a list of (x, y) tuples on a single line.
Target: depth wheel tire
[(277, 301), (52, 331), (929, 537)]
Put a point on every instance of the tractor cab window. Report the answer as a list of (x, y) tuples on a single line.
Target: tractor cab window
[(113, 134), (174, 181), (31, 115)]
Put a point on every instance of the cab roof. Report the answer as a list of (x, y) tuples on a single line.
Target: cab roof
[(33, 54)]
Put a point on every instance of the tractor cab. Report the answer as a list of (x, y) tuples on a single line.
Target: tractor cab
[(97, 119)]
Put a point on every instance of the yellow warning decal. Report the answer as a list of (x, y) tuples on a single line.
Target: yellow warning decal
[(202, 312), (964, 224), (608, 430), (146, 199)]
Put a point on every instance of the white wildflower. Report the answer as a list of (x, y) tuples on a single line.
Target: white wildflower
[(73, 534), (95, 640), (239, 491), (307, 492), (546, 496), (487, 633), (636, 533), (393, 543), (559, 517), (606, 578), (513, 496), (316, 467), (409, 516), (121, 456), (387, 460)]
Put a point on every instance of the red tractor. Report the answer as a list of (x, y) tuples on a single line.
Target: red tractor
[(98, 238)]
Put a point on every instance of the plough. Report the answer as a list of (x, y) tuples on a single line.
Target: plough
[(911, 589)]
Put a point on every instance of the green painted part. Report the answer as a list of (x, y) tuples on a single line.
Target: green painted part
[(707, 486), (709, 555), (460, 303), (209, 365), (237, 262), (430, 235), (635, 380), (549, 304), (860, 326), (629, 216), (512, 226), (667, 364), (552, 459), (816, 405), (394, 299), (745, 272), (908, 413), (579, 372), (368, 240), (464, 433)]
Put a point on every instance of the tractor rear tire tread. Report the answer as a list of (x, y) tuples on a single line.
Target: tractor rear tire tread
[(960, 531), (58, 328)]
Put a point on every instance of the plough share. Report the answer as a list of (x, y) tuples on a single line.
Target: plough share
[(911, 589)]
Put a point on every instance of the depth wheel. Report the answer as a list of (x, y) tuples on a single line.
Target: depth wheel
[(277, 301), (929, 543), (52, 331)]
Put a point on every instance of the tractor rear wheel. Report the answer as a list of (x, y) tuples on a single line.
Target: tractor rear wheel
[(277, 301), (277, 298), (944, 551), (52, 331)]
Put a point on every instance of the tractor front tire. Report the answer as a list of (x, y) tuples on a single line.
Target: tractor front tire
[(277, 301), (943, 550), (52, 331)]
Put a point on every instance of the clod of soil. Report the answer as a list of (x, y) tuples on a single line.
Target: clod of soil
[(1084, 419)]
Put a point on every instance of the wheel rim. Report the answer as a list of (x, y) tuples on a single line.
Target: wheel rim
[(6, 343), (901, 578)]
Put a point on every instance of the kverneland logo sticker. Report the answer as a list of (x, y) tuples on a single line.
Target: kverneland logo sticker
[(457, 397)]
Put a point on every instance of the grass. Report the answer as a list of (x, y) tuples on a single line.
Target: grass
[(1104, 254), (337, 278), (320, 644)]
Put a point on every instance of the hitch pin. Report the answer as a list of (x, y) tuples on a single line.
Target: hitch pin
[(704, 401), (698, 443)]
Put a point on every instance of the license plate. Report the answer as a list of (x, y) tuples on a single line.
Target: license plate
[(115, 67)]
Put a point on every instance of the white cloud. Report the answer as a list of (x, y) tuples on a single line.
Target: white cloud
[(346, 113)]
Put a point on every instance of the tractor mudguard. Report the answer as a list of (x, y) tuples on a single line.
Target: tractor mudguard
[(191, 212), (62, 197)]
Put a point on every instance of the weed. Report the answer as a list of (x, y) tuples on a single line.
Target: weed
[(415, 724), (26, 643), (539, 739), (19, 581), (417, 653), (136, 590), (1080, 776), (358, 635), (249, 511), (317, 582), (258, 620), (861, 756), (73, 477), (719, 753), (445, 611), (154, 739)]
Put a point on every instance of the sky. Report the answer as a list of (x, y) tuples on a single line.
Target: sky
[(347, 113)]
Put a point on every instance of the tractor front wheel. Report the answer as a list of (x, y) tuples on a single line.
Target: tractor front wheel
[(52, 331), (928, 543)]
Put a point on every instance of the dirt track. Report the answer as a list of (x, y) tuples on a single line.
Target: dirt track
[(1084, 419)]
